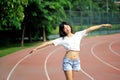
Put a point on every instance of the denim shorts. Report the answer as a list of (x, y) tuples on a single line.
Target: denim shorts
[(69, 64)]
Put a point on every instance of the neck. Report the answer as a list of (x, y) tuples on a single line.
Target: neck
[(69, 35)]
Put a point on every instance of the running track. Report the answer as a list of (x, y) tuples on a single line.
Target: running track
[(100, 60)]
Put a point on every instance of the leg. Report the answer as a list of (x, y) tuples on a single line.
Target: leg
[(74, 73), (68, 69), (69, 75)]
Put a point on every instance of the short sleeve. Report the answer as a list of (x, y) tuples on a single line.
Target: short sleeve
[(57, 41), (81, 33)]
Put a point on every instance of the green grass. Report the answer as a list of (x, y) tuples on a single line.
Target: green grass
[(15, 47)]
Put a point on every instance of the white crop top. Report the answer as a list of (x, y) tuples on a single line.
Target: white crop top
[(71, 43)]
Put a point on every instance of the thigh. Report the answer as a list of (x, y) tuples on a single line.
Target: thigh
[(67, 64), (68, 75), (76, 65)]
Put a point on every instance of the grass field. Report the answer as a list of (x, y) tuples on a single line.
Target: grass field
[(15, 47)]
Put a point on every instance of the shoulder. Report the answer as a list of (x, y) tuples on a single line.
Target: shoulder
[(57, 41), (81, 32)]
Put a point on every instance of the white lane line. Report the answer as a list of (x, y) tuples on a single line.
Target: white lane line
[(92, 51), (84, 72), (12, 70), (87, 74), (14, 67), (45, 64), (110, 47)]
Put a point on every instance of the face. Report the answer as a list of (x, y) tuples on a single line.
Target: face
[(67, 29)]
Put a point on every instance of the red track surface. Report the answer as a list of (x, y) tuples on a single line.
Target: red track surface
[(100, 60)]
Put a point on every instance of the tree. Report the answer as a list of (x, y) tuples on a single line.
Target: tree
[(84, 5), (43, 15), (12, 13), (107, 5), (53, 13)]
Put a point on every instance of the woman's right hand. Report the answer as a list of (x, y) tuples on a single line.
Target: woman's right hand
[(32, 51)]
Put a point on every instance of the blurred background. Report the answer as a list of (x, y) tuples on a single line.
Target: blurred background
[(27, 21)]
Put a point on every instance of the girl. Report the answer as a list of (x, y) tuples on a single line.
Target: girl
[(71, 42)]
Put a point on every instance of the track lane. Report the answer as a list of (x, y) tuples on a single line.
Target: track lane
[(95, 65), (32, 68), (101, 58), (114, 46), (102, 54), (106, 55), (8, 62), (48, 66)]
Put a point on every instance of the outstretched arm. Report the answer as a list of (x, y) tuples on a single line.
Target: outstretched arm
[(92, 28), (42, 46)]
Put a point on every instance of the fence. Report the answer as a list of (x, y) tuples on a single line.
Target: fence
[(88, 18)]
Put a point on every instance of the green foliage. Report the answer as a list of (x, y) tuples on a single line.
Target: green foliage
[(94, 5), (12, 13), (40, 13)]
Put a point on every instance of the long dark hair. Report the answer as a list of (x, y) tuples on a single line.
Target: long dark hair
[(61, 29)]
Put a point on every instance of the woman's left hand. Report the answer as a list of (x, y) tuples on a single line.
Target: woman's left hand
[(107, 25)]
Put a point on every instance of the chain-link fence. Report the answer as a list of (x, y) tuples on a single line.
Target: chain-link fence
[(81, 20)]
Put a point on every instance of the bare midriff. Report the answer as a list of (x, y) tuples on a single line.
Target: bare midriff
[(73, 55)]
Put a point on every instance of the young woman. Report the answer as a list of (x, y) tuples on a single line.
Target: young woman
[(71, 42)]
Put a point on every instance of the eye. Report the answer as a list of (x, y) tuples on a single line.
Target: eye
[(65, 27), (68, 26)]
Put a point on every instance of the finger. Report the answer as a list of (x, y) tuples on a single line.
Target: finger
[(31, 52)]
